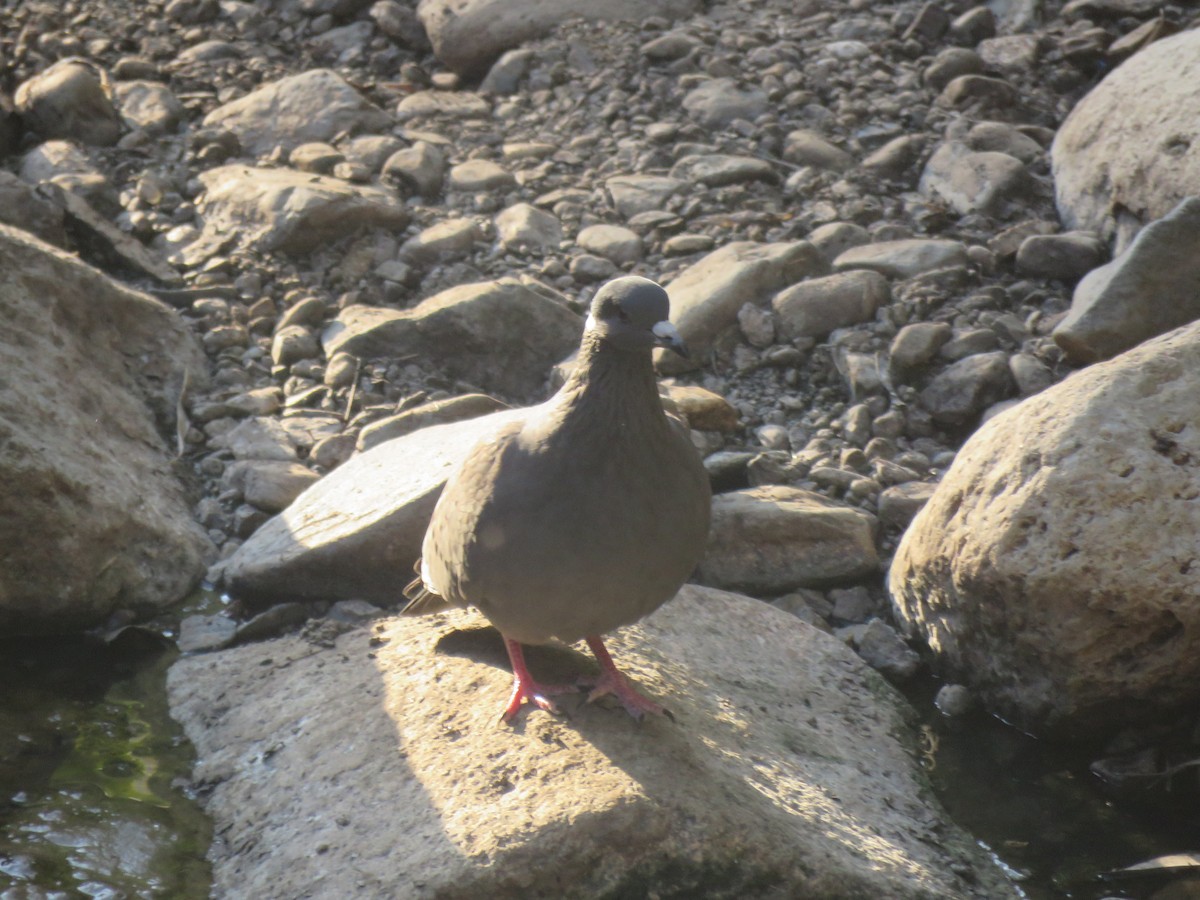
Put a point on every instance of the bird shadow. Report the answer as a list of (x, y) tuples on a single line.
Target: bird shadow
[(556, 664), (484, 644)]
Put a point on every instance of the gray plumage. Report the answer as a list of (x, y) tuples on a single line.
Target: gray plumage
[(591, 512)]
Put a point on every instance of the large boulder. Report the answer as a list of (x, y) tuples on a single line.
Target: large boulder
[(1126, 155), (94, 519), (1054, 568), (468, 35), (373, 767)]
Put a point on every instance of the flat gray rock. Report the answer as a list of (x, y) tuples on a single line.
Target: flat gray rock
[(468, 35), (352, 534), (815, 307), (371, 768), (959, 393), (771, 540), (287, 210), (633, 194), (974, 180), (706, 296), (1149, 289), (719, 169), (475, 332), (905, 258), (717, 102), (316, 105)]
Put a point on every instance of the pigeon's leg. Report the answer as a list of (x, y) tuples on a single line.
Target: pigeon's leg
[(525, 687), (611, 681)]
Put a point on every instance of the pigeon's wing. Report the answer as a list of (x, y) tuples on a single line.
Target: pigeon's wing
[(452, 528)]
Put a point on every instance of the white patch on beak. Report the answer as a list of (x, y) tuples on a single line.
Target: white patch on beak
[(665, 331), (668, 336)]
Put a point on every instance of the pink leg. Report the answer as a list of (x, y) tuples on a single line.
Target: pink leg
[(525, 687), (611, 681)]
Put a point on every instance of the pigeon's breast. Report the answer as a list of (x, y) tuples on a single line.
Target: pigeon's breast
[(580, 542)]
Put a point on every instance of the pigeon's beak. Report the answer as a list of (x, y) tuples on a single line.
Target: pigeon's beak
[(665, 335)]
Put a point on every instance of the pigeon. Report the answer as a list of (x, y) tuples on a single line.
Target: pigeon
[(586, 515)]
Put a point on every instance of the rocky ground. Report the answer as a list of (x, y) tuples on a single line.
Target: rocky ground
[(761, 122), (852, 205), (601, 148)]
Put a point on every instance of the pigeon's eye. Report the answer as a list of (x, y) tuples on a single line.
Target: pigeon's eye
[(622, 316)]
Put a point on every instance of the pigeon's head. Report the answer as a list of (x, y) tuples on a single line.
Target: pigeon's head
[(632, 313)]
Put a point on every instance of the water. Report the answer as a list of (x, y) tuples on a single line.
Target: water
[(1046, 817), (91, 805), (90, 768)]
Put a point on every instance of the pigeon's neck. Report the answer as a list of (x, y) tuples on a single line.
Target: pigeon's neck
[(617, 385)]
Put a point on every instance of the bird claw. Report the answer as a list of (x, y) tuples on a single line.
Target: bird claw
[(535, 693), (635, 704)]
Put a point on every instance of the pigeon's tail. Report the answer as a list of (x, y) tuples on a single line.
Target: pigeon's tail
[(421, 600)]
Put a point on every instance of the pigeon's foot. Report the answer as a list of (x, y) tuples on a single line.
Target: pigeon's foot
[(612, 681), (527, 688)]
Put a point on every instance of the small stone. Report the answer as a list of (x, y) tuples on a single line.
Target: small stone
[(958, 394), (506, 73), (969, 342), (447, 239), (315, 156), (903, 259), (916, 345), (970, 89), (305, 311), (149, 106), (1067, 257), (479, 176), (450, 104), (200, 633), (422, 166), (885, 651), (589, 267), (852, 604), (68, 101), (975, 25), (272, 485), (1031, 375), (528, 229), (716, 103), (815, 307), (330, 452), (341, 370), (950, 64), (668, 47), (954, 700), (614, 242), (807, 148), (682, 244), (294, 343), (757, 325), (895, 157), (899, 504), (974, 181)]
